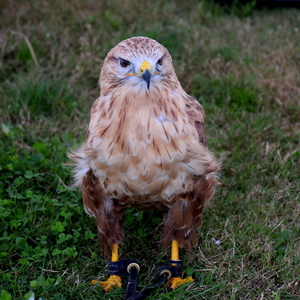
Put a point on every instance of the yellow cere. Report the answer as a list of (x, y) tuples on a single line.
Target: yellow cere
[(144, 66)]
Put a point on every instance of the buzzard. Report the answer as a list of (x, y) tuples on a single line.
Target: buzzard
[(146, 148)]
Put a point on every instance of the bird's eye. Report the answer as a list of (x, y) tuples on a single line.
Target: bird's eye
[(160, 61), (124, 63)]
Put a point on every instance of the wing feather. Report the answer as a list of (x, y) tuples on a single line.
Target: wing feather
[(196, 117)]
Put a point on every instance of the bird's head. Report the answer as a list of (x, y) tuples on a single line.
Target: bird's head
[(138, 64)]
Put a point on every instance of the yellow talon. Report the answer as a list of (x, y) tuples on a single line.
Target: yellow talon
[(113, 281), (175, 282)]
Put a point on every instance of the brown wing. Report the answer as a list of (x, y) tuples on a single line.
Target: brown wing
[(196, 116)]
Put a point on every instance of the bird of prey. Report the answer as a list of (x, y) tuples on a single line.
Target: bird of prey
[(146, 148)]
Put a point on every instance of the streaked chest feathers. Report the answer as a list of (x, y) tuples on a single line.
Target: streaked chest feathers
[(145, 148)]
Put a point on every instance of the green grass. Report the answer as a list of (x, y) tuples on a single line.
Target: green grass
[(242, 64)]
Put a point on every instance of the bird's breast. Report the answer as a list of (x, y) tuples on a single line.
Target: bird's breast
[(146, 155)]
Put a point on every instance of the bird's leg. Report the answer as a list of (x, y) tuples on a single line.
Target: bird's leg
[(174, 251), (113, 280), (175, 282)]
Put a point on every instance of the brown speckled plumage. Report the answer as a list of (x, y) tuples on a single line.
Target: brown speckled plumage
[(144, 147)]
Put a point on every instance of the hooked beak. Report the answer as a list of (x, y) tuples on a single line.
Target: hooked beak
[(147, 77), (146, 72)]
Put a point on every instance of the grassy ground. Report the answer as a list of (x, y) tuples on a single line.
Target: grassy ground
[(244, 68)]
